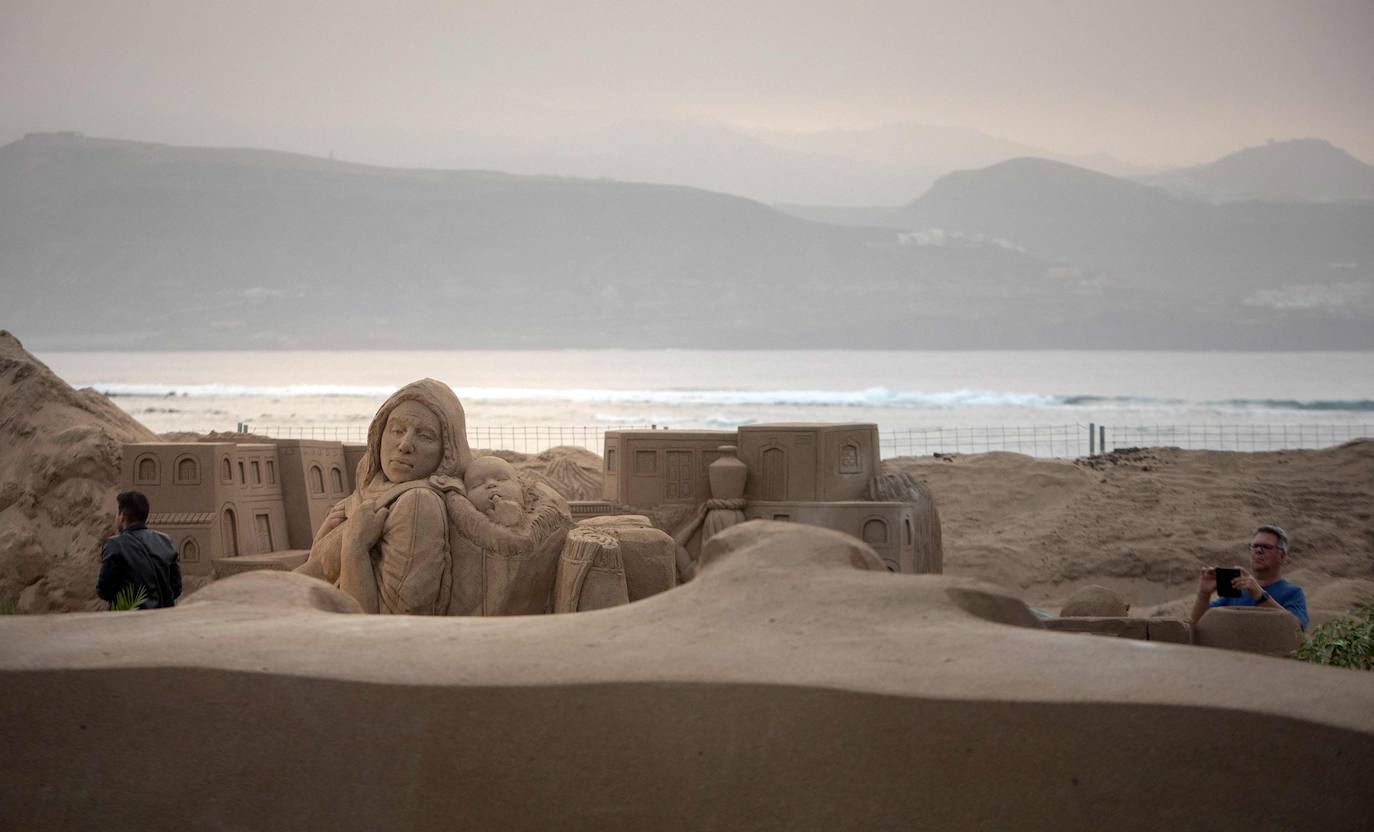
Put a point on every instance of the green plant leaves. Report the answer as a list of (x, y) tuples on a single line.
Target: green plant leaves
[(130, 598), (1344, 642)]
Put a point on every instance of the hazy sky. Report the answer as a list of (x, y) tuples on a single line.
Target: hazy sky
[(1154, 82)]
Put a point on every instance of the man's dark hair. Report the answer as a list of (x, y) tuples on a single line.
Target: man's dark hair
[(134, 506)]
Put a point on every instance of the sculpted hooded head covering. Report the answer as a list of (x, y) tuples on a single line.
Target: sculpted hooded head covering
[(440, 400)]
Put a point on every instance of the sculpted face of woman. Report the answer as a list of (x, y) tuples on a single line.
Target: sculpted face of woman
[(412, 444)]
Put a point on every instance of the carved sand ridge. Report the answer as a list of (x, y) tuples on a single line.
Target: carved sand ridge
[(795, 684)]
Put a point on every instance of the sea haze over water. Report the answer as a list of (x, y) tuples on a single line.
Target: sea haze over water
[(203, 391)]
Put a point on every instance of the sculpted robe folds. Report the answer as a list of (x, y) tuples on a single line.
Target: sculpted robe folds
[(437, 554), (507, 571)]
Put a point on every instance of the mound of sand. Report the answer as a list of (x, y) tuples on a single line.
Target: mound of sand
[(573, 472), (1143, 522), (1340, 598), (1094, 600), (60, 452)]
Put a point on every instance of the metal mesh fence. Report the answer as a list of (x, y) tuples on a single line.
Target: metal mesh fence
[(527, 439), (1236, 437), (1079, 440), (1033, 440), (335, 433), (536, 438), (1065, 441)]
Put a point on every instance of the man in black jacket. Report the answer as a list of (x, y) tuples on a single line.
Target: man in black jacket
[(138, 557)]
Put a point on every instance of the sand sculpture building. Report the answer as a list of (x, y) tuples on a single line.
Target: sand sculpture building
[(225, 499), (812, 473), (650, 467), (315, 476)]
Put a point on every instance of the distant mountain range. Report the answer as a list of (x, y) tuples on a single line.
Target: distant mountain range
[(886, 165), (124, 245), (1315, 257), (707, 156), (1304, 170), (931, 147)]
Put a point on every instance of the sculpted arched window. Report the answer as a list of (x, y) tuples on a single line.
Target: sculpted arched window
[(850, 460), (243, 477), (875, 531), (271, 472), (336, 479), (226, 471), (188, 471), (316, 480), (906, 525), (145, 470), (190, 550), (257, 473)]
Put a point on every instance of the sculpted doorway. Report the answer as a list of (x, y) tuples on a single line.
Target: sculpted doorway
[(264, 528), (774, 484), (230, 533)]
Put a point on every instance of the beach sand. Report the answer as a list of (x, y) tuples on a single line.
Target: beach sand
[(1144, 521)]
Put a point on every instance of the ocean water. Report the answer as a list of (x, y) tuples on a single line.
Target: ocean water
[(1294, 395)]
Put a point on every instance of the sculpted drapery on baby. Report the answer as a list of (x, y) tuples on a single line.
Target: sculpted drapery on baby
[(409, 540)]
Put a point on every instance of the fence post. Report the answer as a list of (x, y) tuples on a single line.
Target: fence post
[(1092, 439), (1102, 438)]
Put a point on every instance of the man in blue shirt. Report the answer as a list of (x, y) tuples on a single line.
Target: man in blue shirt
[(1260, 586)]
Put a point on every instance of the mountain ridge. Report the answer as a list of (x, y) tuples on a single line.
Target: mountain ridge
[(1298, 170), (111, 245)]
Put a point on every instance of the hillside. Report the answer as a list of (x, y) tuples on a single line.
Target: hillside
[(1302, 170), (699, 155), (125, 245), (107, 244), (1298, 267)]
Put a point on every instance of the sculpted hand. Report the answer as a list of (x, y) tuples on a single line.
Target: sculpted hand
[(1207, 581), (505, 512), (332, 520), (365, 526)]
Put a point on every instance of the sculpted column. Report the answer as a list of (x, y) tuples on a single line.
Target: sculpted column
[(727, 476)]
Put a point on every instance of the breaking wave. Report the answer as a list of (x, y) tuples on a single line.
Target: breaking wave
[(1360, 405), (873, 397)]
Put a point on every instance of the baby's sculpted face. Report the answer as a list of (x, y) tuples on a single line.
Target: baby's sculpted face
[(488, 477), (412, 444)]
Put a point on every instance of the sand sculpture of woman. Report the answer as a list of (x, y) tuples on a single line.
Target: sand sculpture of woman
[(409, 541)]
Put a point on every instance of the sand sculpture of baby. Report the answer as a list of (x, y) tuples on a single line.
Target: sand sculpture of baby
[(494, 488), (408, 540), (517, 527)]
